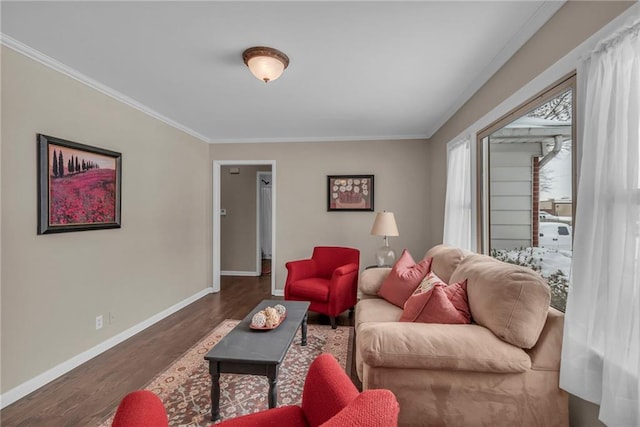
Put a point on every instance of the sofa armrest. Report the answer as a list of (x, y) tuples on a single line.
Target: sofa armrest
[(438, 347), (301, 269), (342, 289), (371, 279), (344, 270), (546, 354)]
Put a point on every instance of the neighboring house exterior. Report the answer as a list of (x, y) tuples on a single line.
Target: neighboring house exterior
[(558, 208), (511, 204), (517, 153)]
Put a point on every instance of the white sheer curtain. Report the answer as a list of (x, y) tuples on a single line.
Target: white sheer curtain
[(457, 209), (600, 354)]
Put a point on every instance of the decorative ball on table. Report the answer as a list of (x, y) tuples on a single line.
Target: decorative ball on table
[(281, 309), (259, 320), (273, 318)]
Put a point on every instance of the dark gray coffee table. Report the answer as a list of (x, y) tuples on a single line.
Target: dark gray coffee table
[(255, 352)]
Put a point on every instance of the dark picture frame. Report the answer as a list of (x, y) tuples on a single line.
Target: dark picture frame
[(350, 192), (79, 190)]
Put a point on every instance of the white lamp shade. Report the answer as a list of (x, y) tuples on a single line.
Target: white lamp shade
[(266, 68), (385, 225)]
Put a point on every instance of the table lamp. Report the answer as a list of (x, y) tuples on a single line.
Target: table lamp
[(385, 225)]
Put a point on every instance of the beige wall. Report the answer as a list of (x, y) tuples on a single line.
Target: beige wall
[(302, 220), (238, 195), (54, 286), (570, 26)]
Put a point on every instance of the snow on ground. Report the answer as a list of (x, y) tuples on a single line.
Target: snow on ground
[(547, 261), (554, 260)]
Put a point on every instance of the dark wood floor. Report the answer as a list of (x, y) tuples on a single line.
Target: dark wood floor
[(88, 394)]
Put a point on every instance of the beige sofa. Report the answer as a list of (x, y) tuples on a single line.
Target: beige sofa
[(501, 370)]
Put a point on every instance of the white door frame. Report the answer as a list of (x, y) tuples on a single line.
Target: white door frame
[(217, 164)]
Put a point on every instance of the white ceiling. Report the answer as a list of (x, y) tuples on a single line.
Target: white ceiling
[(359, 70)]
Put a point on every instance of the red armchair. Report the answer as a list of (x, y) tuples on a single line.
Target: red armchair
[(328, 280), (329, 399), (140, 408)]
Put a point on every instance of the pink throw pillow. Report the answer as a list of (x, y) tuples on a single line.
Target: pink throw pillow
[(435, 302), (404, 278)]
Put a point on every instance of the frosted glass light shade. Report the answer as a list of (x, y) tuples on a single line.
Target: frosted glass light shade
[(266, 68), (266, 63)]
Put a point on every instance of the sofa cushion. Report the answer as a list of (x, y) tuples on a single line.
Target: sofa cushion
[(438, 347), (435, 302), (403, 279), (314, 289), (376, 310), (511, 301), (445, 260)]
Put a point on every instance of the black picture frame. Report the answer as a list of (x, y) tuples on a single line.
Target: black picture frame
[(350, 192), (80, 190)]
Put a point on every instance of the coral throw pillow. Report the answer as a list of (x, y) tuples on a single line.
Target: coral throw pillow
[(433, 301), (403, 279)]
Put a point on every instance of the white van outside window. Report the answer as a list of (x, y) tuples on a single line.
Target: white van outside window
[(555, 235)]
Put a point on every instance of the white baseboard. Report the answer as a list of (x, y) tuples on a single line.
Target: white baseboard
[(35, 383), (239, 273), (278, 292)]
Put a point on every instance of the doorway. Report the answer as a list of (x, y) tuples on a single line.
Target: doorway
[(263, 223), (218, 212)]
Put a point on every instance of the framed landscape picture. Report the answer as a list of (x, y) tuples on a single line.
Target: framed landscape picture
[(350, 193), (79, 186)]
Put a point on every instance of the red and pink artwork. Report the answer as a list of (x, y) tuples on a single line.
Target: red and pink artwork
[(79, 186)]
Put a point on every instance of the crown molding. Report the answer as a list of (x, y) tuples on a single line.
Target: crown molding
[(317, 139), (58, 66)]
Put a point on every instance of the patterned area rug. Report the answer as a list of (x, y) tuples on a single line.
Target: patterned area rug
[(185, 386)]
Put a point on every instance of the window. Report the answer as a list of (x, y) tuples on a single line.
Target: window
[(526, 187)]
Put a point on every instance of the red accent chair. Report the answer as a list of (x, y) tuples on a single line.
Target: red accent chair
[(329, 280), (329, 399), (140, 408)]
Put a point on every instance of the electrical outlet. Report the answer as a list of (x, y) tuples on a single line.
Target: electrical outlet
[(112, 317), (98, 322)]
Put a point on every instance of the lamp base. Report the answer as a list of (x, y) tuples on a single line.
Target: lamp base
[(385, 256)]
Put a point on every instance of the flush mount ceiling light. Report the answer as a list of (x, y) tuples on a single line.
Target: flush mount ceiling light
[(265, 63)]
